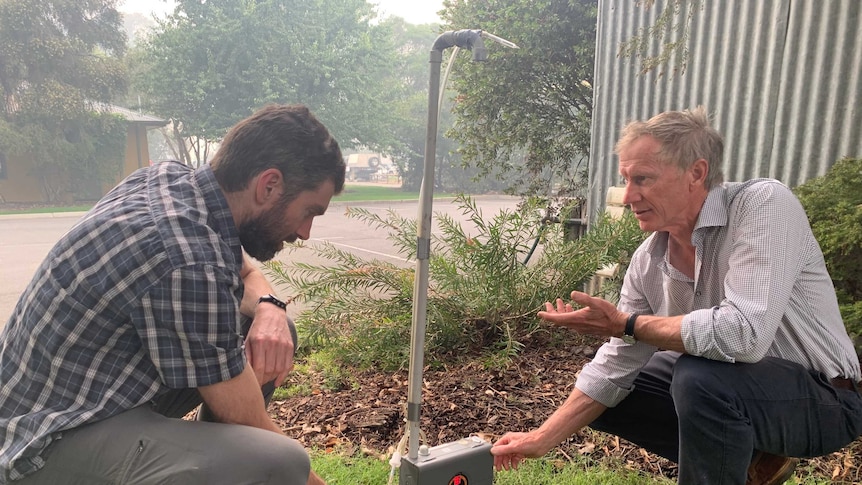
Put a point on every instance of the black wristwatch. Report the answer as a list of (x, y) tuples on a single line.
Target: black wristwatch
[(629, 332), (272, 299)]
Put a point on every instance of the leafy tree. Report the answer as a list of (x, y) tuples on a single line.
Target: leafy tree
[(527, 110), (414, 43), (675, 17), (410, 105), (212, 63), (60, 61), (137, 25)]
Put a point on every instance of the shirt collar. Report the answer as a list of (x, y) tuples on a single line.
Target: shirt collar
[(221, 218), (712, 214), (714, 210)]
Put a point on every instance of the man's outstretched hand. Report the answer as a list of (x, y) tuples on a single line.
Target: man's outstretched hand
[(595, 317)]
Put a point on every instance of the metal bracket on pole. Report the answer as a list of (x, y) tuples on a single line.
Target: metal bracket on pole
[(423, 248)]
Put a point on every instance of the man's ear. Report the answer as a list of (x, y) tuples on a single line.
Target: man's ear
[(267, 186), (698, 172)]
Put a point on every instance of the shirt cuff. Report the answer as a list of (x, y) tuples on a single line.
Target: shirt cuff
[(698, 336), (601, 389)]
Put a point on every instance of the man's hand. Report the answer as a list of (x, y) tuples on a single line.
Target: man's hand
[(597, 317), (513, 448), (269, 346)]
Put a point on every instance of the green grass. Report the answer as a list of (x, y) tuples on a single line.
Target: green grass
[(578, 472), (336, 469), (366, 470), (351, 193)]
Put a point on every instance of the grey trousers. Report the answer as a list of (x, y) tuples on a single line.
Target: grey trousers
[(141, 446), (151, 445)]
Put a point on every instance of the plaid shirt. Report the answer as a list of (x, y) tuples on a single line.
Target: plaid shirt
[(141, 295), (761, 289)]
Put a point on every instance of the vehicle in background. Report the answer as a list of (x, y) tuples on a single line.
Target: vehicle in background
[(368, 167)]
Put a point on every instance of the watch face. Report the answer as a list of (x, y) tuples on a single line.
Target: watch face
[(629, 339)]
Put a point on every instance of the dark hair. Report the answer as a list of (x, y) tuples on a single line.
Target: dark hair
[(685, 136), (286, 137)]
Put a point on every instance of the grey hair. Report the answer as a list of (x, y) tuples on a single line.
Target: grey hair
[(685, 137)]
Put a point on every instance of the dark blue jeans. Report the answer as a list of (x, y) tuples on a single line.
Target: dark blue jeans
[(711, 416)]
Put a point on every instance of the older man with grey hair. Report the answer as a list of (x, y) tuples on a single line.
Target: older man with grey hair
[(727, 353)]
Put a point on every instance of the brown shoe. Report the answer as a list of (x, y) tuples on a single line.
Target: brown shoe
[(767, 469)]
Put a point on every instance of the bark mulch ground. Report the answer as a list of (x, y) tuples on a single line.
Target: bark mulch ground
[(367, 415)]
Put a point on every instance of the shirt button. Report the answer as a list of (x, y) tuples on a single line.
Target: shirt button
[(696, 293)]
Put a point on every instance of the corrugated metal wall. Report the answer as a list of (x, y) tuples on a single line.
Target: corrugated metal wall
[(782, 79)]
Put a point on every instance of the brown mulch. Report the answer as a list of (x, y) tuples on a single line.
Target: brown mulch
[(367, 416)]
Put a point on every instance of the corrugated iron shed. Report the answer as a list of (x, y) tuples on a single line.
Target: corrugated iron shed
[(782, 78)]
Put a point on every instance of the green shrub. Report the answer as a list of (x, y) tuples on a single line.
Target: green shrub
[(833, 203), (481, 297)]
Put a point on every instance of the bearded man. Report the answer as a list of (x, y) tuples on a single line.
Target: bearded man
[(150, 306)]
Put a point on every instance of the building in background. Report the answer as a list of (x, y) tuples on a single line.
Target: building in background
[(18, 182), (782, 78)]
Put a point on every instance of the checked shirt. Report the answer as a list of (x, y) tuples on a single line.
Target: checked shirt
[(760, 289), (141, 296)]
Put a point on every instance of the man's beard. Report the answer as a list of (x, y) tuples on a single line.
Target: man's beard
[(259, 237)]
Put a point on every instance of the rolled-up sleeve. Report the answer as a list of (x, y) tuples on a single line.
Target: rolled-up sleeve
[(188, 323), (610, 376)]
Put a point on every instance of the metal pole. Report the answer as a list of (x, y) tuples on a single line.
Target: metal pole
[(468, 39), (423, 251)]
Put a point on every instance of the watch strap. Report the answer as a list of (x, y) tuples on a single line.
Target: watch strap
[(630, 325), (272, 299)]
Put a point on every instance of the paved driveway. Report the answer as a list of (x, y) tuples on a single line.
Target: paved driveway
[(25, 240)]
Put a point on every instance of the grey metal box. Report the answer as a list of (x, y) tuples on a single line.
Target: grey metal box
[(467, 461)]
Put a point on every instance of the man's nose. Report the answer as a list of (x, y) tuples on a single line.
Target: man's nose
[(631, 194), (304, 231)]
